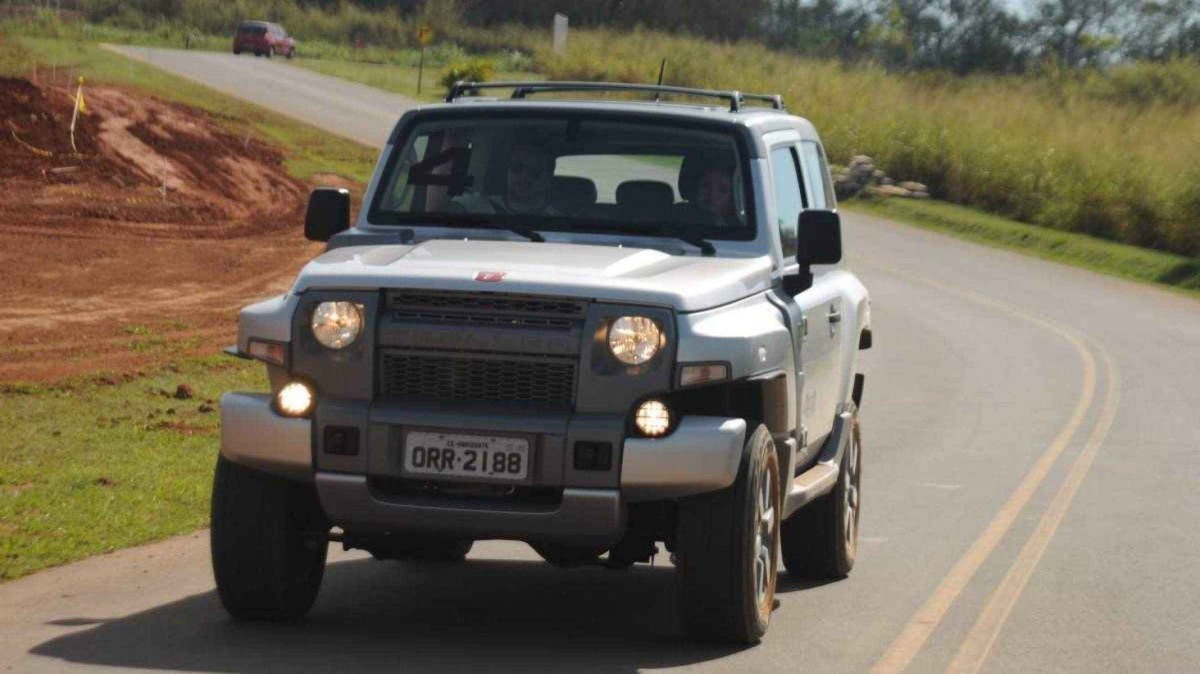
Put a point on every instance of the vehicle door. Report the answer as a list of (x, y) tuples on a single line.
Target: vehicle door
[(828, 295), (815, 310)]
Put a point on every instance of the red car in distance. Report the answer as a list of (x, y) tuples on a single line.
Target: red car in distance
[(262, 38)]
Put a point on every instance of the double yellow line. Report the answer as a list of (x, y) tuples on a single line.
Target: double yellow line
[(977, 645)]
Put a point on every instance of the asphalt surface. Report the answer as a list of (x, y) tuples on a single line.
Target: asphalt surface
[(1031, 499)]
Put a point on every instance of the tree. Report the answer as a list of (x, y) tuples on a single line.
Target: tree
[(1078, 32)]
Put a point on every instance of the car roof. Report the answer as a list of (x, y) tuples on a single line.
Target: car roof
[(752, 122)]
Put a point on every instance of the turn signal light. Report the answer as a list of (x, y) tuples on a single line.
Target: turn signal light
[(274, 353), (703, 373)]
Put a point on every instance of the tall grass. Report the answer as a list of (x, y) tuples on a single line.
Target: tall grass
[(1048, 152)]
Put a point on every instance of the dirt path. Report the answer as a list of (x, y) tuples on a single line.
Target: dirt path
[(141, 246)]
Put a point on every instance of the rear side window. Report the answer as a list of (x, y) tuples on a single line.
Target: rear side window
[(789, 196)]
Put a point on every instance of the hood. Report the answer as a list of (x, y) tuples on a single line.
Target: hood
[(629, 275)]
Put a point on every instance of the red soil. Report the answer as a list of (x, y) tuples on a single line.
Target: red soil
[(141, 246)]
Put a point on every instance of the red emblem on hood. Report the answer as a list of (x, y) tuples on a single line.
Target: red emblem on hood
[(490, 276)]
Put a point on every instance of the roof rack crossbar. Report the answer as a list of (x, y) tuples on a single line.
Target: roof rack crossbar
[(523, 89)]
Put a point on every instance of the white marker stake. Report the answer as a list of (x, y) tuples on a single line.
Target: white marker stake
[(560, 33), (75, 113)]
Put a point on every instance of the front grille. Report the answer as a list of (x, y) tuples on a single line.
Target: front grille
[(485, 308), (448, 377)]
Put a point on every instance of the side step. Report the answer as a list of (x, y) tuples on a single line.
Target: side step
[(820, 479)]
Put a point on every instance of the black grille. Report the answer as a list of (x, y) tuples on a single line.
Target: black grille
[(455, 378), (485, 308)]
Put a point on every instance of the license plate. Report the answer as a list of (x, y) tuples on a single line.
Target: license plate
[(489, 457)]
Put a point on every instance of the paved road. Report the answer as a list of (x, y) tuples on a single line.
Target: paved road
[(1032, 492), (351, 110)]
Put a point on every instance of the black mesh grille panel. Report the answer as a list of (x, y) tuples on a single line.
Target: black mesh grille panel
[(458, 378), (485, 309)]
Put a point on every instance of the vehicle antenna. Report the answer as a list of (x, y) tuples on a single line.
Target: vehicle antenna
[(662, 68)]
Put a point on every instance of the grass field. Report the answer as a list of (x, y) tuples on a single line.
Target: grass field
[(107, 461)]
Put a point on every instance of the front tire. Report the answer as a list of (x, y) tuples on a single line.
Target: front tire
[(821, 539), (269, 539), (727, 547)]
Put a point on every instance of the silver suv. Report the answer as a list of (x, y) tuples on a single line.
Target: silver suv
[(595, 326)]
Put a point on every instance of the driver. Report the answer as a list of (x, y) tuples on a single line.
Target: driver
[(527, 182), (716, 194)]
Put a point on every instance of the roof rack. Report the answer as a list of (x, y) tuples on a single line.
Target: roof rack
[(523, 89)]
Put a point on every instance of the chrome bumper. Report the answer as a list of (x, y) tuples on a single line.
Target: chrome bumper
[(253, 435), (703, 454)]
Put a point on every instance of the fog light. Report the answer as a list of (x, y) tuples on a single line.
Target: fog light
[(653, 418), (294, 399)]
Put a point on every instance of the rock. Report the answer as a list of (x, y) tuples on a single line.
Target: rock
[(919, 195), (886, 181), (913, 186), (890, 191), (206, 409), (183, 392)]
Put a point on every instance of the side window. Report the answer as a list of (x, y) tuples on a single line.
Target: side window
[(789, 196), (818, 175)]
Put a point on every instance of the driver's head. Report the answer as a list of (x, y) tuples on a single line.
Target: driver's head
[(530, 166)]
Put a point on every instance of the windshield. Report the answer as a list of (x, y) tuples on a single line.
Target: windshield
[(571, 174)]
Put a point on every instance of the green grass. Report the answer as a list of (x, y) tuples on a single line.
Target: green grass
[(105, 462), (308, 150), (401, 79), (1105, 257)]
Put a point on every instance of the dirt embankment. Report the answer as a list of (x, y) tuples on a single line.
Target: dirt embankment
[(140, 243)]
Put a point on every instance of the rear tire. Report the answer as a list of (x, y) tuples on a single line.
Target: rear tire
[(727, 549), (269, 538), (821, 539)]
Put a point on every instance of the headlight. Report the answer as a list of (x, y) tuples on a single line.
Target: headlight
[(295, 399), (634, 340), (653, 418), (337, 324)]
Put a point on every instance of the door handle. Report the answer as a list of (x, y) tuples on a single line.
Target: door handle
[(835, 316)]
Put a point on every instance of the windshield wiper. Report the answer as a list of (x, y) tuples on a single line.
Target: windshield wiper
[(482, 223), (705, 246)]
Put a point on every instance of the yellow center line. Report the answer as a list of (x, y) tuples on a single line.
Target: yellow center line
[(921, 626), (974, 650)]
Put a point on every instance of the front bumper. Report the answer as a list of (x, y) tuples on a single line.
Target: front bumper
[(587, 517), (703, 454)]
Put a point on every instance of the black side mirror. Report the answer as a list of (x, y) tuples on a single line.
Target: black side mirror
[(328, 213), (820, 237)]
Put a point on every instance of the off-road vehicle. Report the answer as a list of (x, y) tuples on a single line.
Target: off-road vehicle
[(593, 325)]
